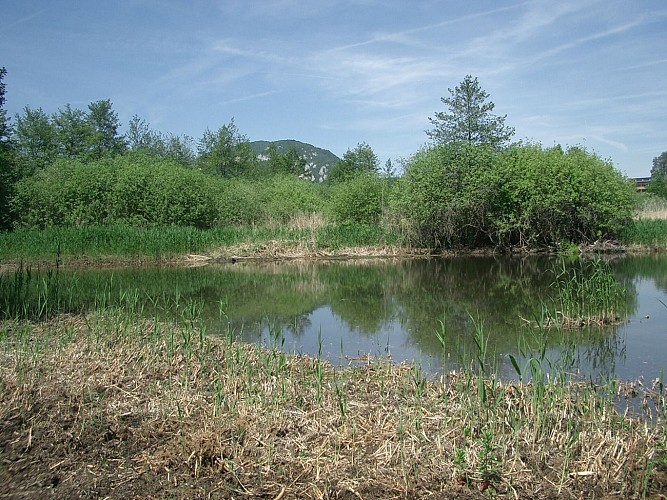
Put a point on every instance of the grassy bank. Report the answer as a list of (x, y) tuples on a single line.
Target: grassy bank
[(648, 229), (109, 404), (302, 235), (118, 242)]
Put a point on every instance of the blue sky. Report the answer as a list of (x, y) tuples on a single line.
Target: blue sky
[(335, 73)]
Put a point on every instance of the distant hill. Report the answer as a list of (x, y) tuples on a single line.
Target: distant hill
[(318, 160)]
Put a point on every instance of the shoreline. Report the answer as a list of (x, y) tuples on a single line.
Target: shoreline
[(276, 251)]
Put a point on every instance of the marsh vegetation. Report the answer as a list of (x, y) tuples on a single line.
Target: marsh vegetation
[(115, 382)]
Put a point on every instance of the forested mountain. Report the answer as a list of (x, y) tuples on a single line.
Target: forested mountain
[(318, 160)]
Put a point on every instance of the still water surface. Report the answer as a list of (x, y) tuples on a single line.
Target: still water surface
[(345, 310)]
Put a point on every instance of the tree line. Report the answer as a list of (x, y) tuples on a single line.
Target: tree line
[(469, 186)]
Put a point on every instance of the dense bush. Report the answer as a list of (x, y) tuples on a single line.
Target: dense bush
[(238, 203), (287, 196), (446, 193), (67, 193), (143, 190), (549, 196), (451, 195), (525, 195), (161, 192), (132, 189), (357, 200)]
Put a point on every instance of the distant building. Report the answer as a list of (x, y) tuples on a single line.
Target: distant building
[(641, 183)]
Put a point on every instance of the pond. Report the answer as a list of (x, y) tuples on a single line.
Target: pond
[(439, 313)]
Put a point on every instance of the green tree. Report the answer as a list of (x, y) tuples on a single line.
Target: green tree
[(358, 200), (550, 196), (226, 152), (469, 118), (68, 133), (525, 195), (180, 148), (74, 132), (285, 197), (658, 183), (659, 165), (388, 170), (36, 140), (105, 141), (446, 194), (361, 159), (140, 137), (7, 159), (657, 186), (159, 192), (290, 162), (133, 188)]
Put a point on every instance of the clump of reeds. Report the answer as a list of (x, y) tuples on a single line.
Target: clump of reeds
[(108, 404), (587, 293), (646, 232), (34, 294)]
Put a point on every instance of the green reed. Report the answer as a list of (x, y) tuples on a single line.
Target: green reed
[(123, 241), (588, 292), (645, 232), (28, 293)]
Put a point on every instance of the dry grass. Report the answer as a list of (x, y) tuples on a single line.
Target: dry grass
[(103, 406), (302, 249), (660, 214), (651, 207), (310, 221)]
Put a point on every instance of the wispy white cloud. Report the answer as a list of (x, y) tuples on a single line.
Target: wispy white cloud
[(405, 37), (616, 30), (22, 20), (249, 97), (614, 144), (647, 64), (230, 48)]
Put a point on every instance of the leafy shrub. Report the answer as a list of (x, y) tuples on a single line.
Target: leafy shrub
[(238, 202), (549, 196), (133, 189), (460, 194), (446, 193), (67, 193), (286, 196), (161, 192), (357, 200)]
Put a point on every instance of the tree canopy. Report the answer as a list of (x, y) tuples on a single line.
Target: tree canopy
[(469, 118), (7, 166), (226, 152), (658, 183), (355, 161), (140, 137), (68, 133), (659, 165), (289, 162)]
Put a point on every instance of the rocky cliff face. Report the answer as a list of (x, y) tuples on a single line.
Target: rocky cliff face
[(318, 160)]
